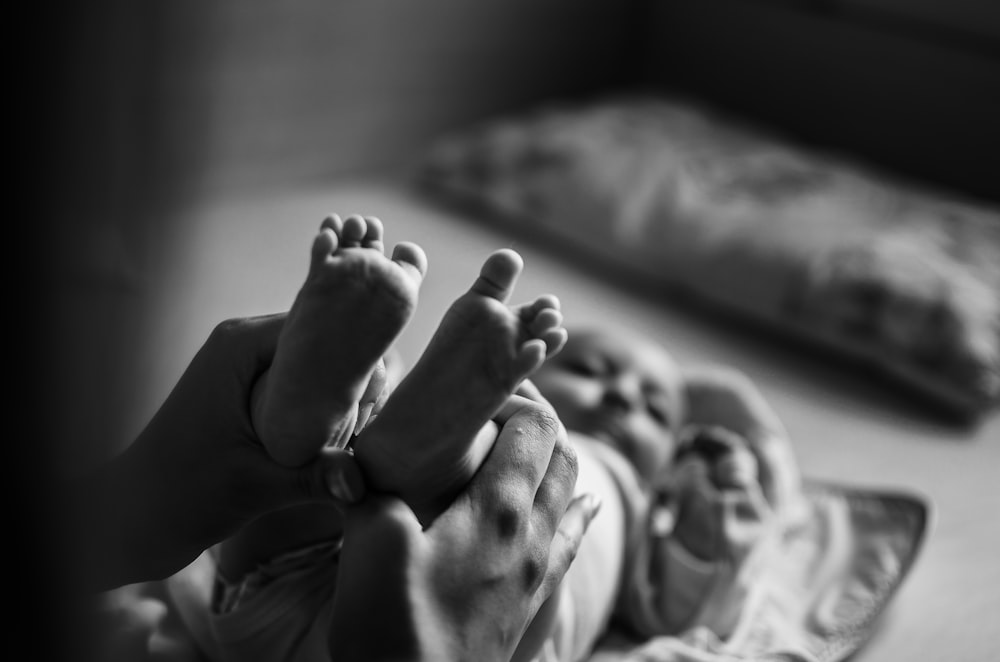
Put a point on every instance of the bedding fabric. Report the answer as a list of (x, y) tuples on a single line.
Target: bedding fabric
[(817, 593), (815, 597), (905, 279)]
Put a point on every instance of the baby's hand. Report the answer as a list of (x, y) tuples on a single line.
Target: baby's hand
[(708, 520), (724, 397), (715, 496)]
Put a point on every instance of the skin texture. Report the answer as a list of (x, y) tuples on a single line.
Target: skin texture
[(324, 381), (469, 584), (424, 443), (328, 376), (423, 446)]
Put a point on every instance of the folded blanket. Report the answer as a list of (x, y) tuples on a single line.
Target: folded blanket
[(905, 279), (812, 591)]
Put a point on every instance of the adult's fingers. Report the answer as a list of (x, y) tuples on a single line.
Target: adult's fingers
[(520, 456), (556, 488), (565, 543), (527, 389)]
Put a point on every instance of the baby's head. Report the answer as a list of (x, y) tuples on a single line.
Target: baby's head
[(623, 390)]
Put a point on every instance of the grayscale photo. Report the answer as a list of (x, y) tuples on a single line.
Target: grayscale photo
[(595, 331)]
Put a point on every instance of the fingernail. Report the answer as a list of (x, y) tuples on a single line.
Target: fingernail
[(593, 504)]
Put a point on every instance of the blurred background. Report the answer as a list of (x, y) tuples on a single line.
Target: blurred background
[(136, 112), (149, 105)]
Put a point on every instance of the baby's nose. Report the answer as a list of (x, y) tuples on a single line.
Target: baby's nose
[(623, 391)]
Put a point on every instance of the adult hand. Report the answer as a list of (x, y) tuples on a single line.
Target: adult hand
[(197, 473), (724, 397), (466, 587)]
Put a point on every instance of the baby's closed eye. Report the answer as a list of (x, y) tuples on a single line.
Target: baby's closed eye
[(659, 413), (586, 367)]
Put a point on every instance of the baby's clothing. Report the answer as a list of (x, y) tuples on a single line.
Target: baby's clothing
[(283, 610), (280, 611)]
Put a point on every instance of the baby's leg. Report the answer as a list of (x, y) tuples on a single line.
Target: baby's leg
[(354, 303), (425, 445)]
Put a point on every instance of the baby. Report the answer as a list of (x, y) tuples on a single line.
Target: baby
[(277, 576), (621, 390), (647, 563), (664, 555)]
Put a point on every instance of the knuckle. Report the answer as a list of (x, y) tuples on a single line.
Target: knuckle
[(544, 418), (567, 457)]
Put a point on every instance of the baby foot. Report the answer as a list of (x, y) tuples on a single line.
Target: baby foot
[(353, 305), (425, 444)]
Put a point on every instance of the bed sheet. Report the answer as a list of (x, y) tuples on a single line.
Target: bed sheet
[(245, 252)]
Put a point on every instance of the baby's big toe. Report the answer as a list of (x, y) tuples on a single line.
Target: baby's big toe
[(412, 259), (498, 275)]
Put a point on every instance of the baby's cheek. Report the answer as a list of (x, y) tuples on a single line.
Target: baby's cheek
[(665, 447), (655, 453)]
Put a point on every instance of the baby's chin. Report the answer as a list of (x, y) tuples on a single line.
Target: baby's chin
[(647, 460)]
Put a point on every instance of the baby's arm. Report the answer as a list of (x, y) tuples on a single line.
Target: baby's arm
[(709, 520)]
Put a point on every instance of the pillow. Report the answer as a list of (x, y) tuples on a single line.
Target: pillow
[(906, 280)]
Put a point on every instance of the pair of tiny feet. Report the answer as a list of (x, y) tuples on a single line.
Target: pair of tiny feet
[(424, 444)]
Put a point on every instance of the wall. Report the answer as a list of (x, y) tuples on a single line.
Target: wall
[(138, 107), (271, 92), (912, 87)]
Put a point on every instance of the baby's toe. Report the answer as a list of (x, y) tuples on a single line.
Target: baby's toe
[(546, 301), (412, 259), (554, 339), (498, 275), (355, 229), (324, 245), (546, 319), (530, 356), (334, 223), (373, 233)]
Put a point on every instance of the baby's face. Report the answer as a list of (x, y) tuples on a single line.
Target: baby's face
[(625, 392)]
